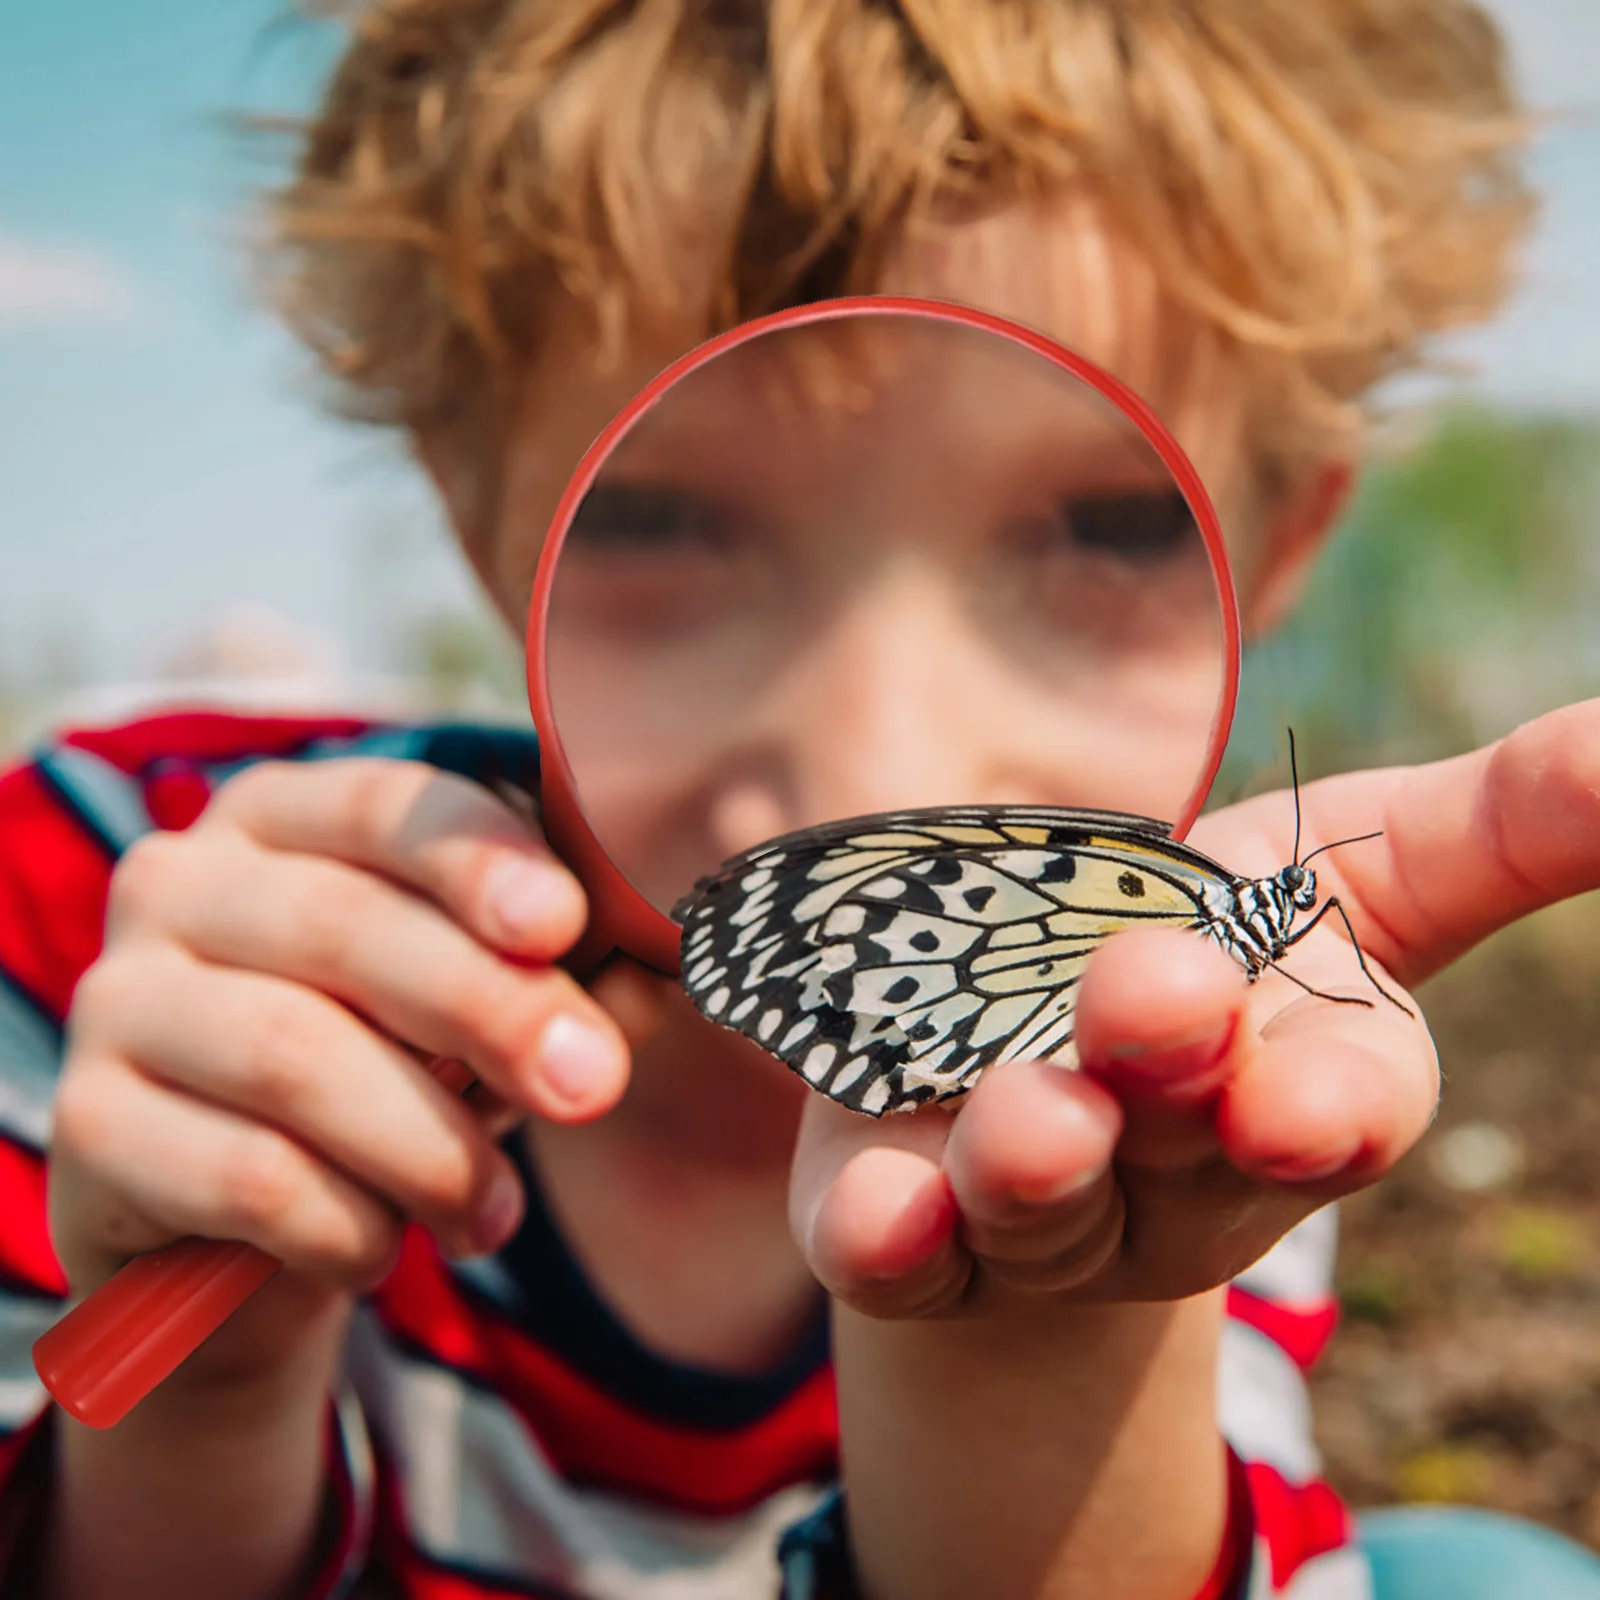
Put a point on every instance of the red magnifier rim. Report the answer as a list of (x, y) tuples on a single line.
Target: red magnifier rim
[(620, 917)]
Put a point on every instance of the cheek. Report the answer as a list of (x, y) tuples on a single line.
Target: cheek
[(1116, 762)]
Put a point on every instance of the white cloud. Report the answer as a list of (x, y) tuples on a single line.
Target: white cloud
[(55, 285)]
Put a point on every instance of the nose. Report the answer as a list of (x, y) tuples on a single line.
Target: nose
[(885, 711)]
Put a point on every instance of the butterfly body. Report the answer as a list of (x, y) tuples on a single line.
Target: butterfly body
[(891, 959), (1256, 927)]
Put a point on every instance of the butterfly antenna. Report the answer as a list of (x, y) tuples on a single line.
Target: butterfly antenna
[(1294, 779), (1359, 838)]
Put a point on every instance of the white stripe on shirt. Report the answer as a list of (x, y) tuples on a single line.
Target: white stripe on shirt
[(30, 1060), (479, 1489), (1262, 1404), (23, 1319), (1298, 1269)]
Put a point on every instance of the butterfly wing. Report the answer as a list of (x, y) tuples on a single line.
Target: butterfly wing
[(890, 959)]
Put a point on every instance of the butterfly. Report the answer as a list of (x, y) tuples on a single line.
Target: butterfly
[(891, 959)]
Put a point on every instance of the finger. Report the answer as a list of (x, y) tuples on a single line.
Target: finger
[(162, 1165), (442, 835), (1029, 1162), (636, 999), (280, 1053), (884, 1237), (497, 1115), (1469, 844), (1162, 1024), (1332, 1097), (873, 1211), (535, 1035)]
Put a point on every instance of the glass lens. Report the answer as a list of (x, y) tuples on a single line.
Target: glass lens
[(862, 565)]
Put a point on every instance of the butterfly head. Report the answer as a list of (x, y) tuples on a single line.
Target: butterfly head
[(1300, 884)]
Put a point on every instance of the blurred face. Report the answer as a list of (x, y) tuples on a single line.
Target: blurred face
[(846, 569), (836, 572)]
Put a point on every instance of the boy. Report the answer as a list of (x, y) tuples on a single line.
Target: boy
[(508, 215)]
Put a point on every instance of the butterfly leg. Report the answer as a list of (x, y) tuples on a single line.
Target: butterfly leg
[(1337, 999), (1332, 904)]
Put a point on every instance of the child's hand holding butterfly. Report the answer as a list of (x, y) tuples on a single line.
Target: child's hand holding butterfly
[(1026, 1350), (1211, 1116)]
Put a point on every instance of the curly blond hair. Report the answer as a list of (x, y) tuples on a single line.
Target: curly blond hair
[(1324, 183)]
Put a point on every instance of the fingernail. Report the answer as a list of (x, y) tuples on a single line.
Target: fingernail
[(1057, 1191), (1311, 1169), (1086, 1125), (522, 893), (1190, 1061), (577, 1060), (500, 1212)]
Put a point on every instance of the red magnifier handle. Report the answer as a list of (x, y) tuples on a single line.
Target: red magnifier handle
[(102, 1358)]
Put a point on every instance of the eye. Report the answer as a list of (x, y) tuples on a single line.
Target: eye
[(645, 517), (1140, 527)]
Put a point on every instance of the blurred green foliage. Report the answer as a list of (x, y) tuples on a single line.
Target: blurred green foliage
[(1459, 1474), (1459, 597), (1374, 1291), (466, 663), (1541, 1243)]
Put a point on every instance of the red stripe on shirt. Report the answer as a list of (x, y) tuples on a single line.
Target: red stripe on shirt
[(590, 1436), (26, 1254), (340, 1549), (1298, 1521), (13, 1447), (54, 874), (166, 752), (418, 1581), (53, 880), (407, 1574), (175, 799), (1301, 1332), (1233, 1555), (207, 736)]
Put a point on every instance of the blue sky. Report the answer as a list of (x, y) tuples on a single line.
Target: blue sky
[(158, 454)]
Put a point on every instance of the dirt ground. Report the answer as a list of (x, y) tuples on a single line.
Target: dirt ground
[(1467, 1367)]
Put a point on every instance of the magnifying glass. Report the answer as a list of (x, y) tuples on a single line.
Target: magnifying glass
[(868, 554), (855, 558)]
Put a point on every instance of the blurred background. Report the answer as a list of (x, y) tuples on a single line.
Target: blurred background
[(178, 521)]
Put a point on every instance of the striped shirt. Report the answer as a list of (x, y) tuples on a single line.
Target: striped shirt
[(498, 1431)]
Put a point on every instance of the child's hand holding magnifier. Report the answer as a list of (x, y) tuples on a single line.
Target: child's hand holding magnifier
[(250, 1058)]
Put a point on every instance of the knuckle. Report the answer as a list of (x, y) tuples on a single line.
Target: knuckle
[(144, 875), (104, 994), (917, 1299), (263, 1181), (245, 790), (489, 1009), (331, 907), (291, 1047), (448, 1180), (84, 1117), (1067, 1262), (371, 1256), (354, 1241), (369, 797)]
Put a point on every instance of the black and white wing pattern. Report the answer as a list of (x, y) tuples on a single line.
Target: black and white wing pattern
[(889, 960)]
